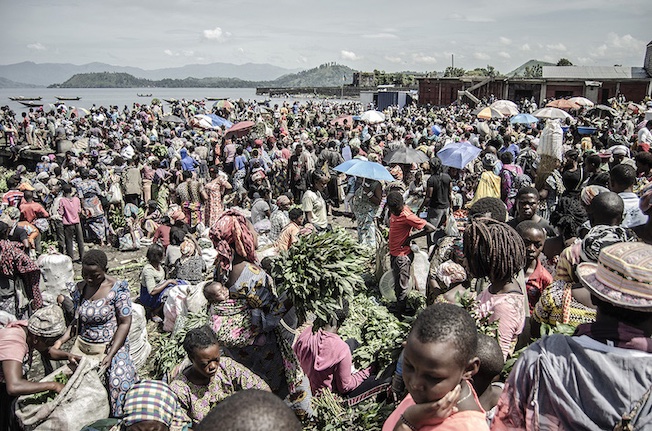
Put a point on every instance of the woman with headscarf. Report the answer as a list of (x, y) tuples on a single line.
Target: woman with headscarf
[(19, 278), (267, 350), (89, 190), (18, 341), (215, 189)]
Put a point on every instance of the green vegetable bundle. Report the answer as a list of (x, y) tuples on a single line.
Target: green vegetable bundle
[(320, 270), (169, 349), (332, 414), (47, 396), (379, 332)]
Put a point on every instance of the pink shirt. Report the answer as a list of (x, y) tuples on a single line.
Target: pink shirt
[(13, 344), (69, 208), (468, 420), (509, 310), (326, 360)]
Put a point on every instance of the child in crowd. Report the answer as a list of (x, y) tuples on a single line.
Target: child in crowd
[(439, 361), (484, 382), (537, 277)]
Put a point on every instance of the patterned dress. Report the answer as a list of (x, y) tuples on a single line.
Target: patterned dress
[(197, 400), (214, 207), (19, 281), (189, 193), (98, 323), (557, 305)]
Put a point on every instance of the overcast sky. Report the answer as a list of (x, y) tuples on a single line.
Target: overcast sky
[(415, 35)]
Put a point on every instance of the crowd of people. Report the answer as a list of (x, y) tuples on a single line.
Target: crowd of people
[(547, 228)]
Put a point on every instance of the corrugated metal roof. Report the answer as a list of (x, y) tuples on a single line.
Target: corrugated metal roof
[(594, 72)]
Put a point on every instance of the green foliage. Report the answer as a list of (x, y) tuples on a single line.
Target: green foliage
[(534, 71), (169, 348), (564, 62), (379, 332), (332, 414), (47, 396), (489, 71), (453, 72), (469, 302), (320, 270)]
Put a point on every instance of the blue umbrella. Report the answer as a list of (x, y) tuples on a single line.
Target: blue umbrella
[(524, 119), (458, 154), (219, 121), (343, 167), (436, 130), (371, 170)]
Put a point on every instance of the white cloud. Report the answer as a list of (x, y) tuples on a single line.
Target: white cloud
[(302, 59), (380, 36), (349, 55), (504, 54), (241, 50), (38, 46), (188, 53), (216, 34), (465, 18), (393, 59), (168, 52), (525, 47), (505, 40), (424, 59), (557, 47), (623, 45), (481, 56)]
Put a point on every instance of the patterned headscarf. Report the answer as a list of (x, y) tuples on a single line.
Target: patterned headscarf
[(230, 235), (602, 236), (47, 322), (149, 400), (645, 203)]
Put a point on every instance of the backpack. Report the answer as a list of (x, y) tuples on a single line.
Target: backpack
[(514, 182)]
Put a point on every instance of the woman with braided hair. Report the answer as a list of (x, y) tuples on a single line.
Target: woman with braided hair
[(496, 251)]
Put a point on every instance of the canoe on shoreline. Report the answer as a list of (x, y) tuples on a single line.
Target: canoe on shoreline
[(30, 104), (26, 99)]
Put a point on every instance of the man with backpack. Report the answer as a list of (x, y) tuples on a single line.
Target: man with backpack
[(512, 179)]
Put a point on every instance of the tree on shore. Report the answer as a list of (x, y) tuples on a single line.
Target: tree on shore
[(564, 62)]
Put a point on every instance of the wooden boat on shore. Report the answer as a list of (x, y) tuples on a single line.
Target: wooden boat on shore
[(26, 99), (144, 95), (67, 98), (30, 104)]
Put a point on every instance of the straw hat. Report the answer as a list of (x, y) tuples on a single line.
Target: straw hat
[(622, 276)]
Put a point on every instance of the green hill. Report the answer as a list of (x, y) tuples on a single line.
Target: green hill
[(531, 65), (326, 75)]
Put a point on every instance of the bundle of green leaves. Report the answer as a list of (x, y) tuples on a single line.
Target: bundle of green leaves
[(169, 349), (379, 332), (319, 271), (333, 414), (47, 396)]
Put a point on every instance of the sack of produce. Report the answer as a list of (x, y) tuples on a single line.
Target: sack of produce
[(82, 401), (139, 347)]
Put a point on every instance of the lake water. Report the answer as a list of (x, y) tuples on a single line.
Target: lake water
[(128, 96)]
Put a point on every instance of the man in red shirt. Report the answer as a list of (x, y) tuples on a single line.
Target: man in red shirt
[(401, 222)]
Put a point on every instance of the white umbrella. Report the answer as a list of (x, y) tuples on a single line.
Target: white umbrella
[(582, 101), (552, 114), (505, 107), (372, 117)]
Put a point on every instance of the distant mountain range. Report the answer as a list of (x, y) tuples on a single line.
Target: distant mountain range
[(43, 74), (8, 83), (326, 75)]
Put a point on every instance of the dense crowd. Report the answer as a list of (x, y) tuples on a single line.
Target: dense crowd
[(546, 225)]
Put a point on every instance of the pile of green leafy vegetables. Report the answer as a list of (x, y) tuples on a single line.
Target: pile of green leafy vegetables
[(319, 271)]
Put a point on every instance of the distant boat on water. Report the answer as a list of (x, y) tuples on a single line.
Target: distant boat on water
[(144, 95), (30, 104), (213, 99), (19, 98), (67, 98)]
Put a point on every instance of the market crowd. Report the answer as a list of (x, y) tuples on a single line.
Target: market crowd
[(544, 223)]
